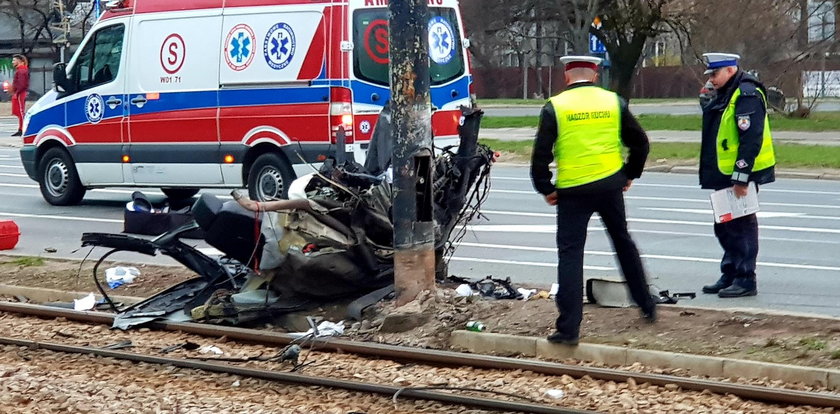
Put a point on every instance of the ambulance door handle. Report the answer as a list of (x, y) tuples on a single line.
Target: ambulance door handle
[(113, 102), (374, 97), (454, 93), (139, 101)]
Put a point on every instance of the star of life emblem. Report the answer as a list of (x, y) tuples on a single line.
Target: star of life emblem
[(94, 108), (441, 41), (239, 47), (364, 127), (279, 46)]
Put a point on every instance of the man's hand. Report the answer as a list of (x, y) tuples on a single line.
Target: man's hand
[(740, 190), (551, 199), (627, 186)]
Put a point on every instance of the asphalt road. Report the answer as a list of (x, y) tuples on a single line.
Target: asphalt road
[(669, 217)]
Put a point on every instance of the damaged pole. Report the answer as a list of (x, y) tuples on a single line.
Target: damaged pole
[(414, 257)]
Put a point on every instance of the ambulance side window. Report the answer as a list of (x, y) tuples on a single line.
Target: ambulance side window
[(99, 61)]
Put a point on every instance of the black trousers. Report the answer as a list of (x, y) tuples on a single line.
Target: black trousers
[(739, 239), (573, 214)]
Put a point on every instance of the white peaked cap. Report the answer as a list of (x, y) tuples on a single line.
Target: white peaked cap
[(719, 60), (581, 61)]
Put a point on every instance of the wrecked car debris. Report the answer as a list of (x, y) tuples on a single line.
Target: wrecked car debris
[(289, 255), (488, 287)]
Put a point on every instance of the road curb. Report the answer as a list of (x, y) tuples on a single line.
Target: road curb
[(507, 345), (42, 295), (798, 174)]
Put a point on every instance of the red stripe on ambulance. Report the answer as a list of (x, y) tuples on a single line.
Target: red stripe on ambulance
[(314, 60), (303, 122)]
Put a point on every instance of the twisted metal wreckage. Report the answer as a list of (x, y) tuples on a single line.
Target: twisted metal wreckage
[(334, 241)]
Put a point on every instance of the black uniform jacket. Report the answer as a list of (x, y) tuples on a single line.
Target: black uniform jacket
[(749, 104), (632, 136)]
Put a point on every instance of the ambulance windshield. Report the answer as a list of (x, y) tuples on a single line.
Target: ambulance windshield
[(370, 35)]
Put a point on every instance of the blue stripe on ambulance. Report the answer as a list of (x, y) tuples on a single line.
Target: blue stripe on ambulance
[(440, 94), (177, 101), (277, 96), (51, 116)]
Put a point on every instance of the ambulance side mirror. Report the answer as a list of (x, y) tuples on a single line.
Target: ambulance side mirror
[(60, 77)]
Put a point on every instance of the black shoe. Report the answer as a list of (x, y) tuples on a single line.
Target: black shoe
[(649, 315), (563, 339), (722, 283), (737, 291), (17, 134)]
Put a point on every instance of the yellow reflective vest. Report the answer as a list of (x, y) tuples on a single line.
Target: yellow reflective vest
[(727, 140), (588, 146)]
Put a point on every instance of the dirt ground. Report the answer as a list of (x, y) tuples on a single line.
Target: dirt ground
[(782, 339)]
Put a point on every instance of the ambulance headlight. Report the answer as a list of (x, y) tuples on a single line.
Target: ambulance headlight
[(26, 119)]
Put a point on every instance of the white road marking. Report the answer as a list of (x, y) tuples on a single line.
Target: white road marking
[(103, 190), (514, 262), (761, 226), (694, 187), (514, 228), (762, 214), (12, 167), (551, 228), (18, 185), (647, 256), (14, 175), (687, 200), (53, 217), (518, 213), (706, 202), (533, 193), (763, 189)]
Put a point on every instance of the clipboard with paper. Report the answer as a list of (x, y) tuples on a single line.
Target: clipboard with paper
[(727, 207)]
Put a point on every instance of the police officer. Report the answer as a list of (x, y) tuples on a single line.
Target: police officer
[(736, 148), (582, 130)]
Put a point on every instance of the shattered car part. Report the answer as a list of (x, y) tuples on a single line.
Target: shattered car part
[(336, 243)]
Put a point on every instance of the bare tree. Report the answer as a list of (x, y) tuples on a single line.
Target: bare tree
[(35, 20), (576, 18), (785, 38), (626, 27)]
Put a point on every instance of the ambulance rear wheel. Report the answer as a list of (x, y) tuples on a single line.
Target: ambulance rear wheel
[(179, 193), (58, 178), (269, 178)]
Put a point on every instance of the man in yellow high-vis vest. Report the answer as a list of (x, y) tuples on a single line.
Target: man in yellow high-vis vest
[(736, 149), (583, 130)]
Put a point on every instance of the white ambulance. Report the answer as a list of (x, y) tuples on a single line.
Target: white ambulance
[(191, 94)]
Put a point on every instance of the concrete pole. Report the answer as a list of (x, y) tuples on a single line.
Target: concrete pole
[(413, 162)]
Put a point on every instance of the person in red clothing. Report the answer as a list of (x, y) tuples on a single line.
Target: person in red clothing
[(20, 85)]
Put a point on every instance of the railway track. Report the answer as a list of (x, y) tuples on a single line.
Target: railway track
[(299, 379), (432, 358)]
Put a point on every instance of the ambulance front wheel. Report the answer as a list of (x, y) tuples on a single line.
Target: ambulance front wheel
[(58, 178), (269, 178)]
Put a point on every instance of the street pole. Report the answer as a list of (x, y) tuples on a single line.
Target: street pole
[(414, 258)]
